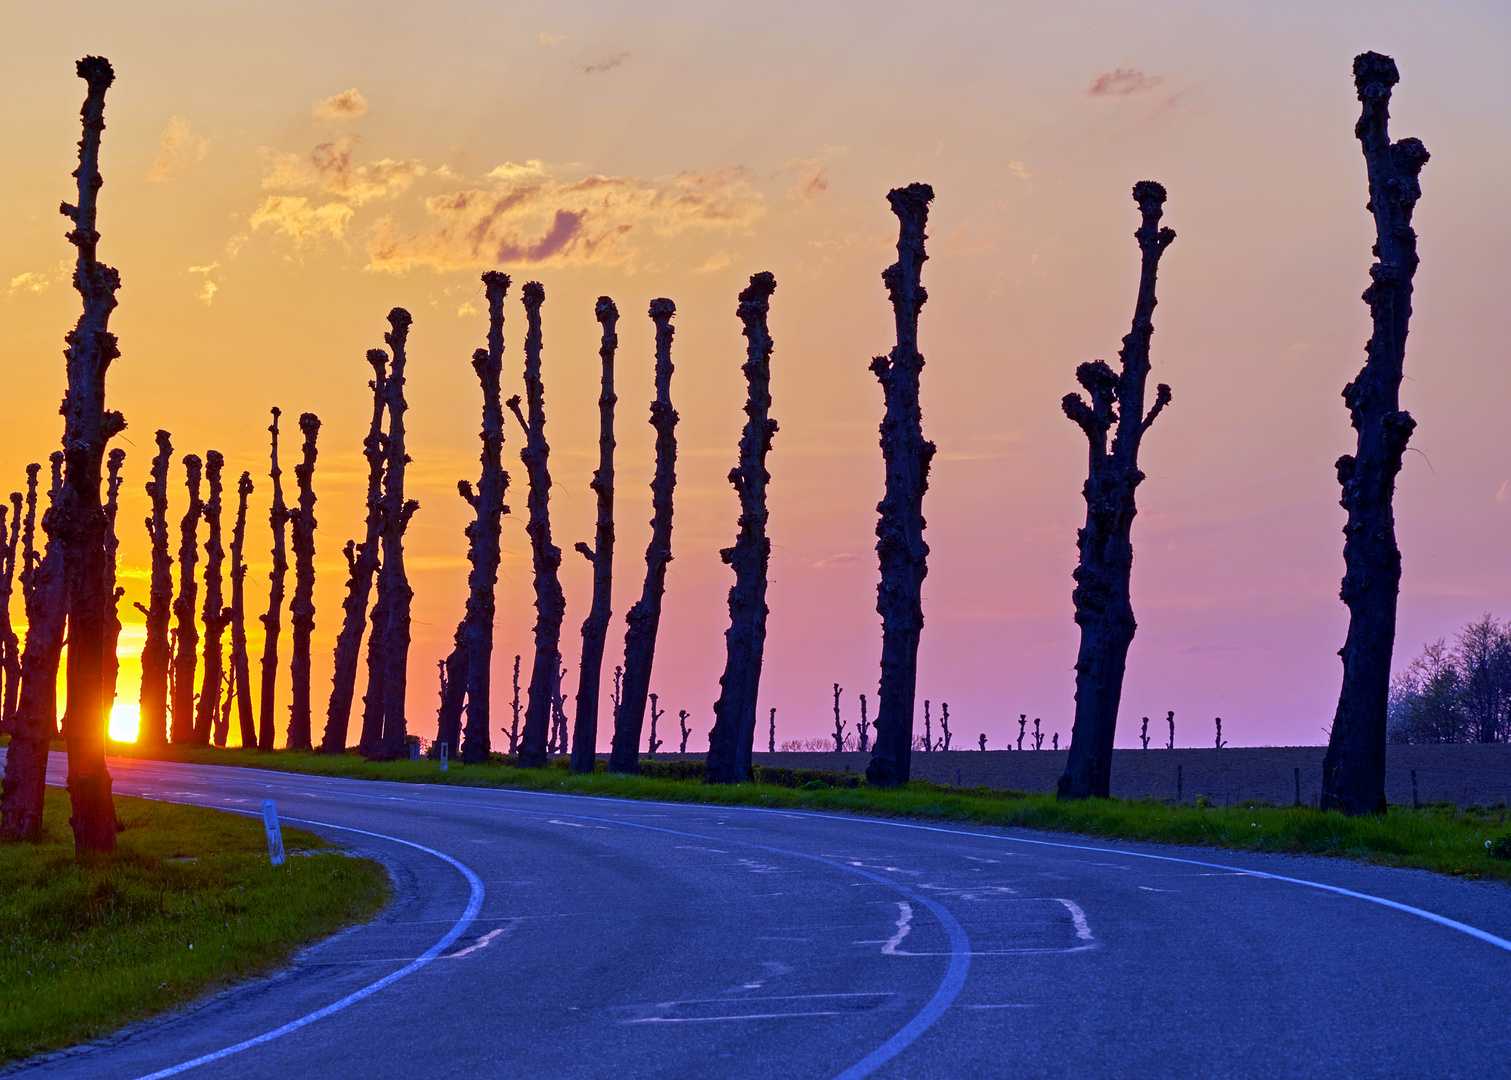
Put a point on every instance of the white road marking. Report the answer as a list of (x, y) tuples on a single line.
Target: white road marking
[(904, 917), (482, 942), (1078, 917), (1151, 888)]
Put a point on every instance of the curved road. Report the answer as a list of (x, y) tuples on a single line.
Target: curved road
[(550, 936)]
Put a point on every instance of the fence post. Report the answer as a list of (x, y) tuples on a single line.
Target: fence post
[(1416, 803), (1180, 781), (1298, 785), (445, 748), (275, 834)]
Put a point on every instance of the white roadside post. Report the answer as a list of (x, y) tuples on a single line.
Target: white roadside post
[(275, 835), (444, 749)]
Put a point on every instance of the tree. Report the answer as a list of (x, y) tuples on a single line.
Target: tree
[(839, 724), (153, 707), (362, 568), (1456, 694), (302, 606), (241, 675), (278, 520), (469, 668), (29, 555), (731, 742), (595, 628), (186, 653), (550, 603), (10, 644), (644, 616), (900, 546), (1104, 609), (1353, 769), (216, 615), (394, 593), (114, 462)]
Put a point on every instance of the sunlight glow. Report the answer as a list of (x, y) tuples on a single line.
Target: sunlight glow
[(125, 720)]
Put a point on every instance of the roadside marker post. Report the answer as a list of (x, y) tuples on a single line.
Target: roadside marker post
[(444, 748), (275, 834)]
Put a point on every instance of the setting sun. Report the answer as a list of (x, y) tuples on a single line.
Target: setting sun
[(125, 719)]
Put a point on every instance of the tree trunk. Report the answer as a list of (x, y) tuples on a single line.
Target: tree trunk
[(80, 531), (302, 606), (732, 740), (396, 514), (1353, 769), (216, 616), (595, 628), (362, 567), (644, 617), (29, 556), (112, 644), (155, 653), (240, 667), (186, 652), (1104, 609), (278, 519), (900, 547), (550, 603), (10, 644), (514, 729)]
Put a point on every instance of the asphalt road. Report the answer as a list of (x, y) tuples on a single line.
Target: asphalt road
[(538, 935)]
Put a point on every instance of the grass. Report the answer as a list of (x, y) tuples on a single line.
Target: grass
[(1439, 838), (188, 903)]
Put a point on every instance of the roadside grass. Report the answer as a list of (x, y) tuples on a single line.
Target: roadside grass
[(187, 904), (1439, 838)]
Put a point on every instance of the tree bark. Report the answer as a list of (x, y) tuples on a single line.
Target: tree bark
[(186, 651), (215, 615), (278, 519), (732, 740), (644, 617), (112, 644), (595, 628), (155, 651), (10, 644), (362, 568), (1353, 769), (302, 606), (900, 546), (29, 555), (1104, 608), (240, 666), (396, 514), (550, 603)]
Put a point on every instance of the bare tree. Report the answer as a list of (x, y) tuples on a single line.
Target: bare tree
[(550, 603), (10, 644), (1220, 743), (654, 744), (771, 734), (361, 566), (1104, 609), (241, 674), (928, 728), (900, 546), (839, 725), (1144, 733), (186, 650), (686, 731), (1022, 728), (216, 616), (393, 582), (1170, 719), (863, 729), (944, 723), (278, 519), (302, 606), (29, 554), (595, 628), (731, 741), (116, 459), (1353, 769), (644, 617), (514, 730), (153, 706)]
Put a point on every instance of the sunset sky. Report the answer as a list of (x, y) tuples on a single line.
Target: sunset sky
[(279, 175)]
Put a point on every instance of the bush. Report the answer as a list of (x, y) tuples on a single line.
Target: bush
[(800, 778)]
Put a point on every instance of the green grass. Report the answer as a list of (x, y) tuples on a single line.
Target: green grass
[(188, 903), (1438, 838)]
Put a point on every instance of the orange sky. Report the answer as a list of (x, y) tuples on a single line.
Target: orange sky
[(278, 177)]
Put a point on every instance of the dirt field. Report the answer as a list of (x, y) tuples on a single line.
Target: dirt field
[(1460, 774)]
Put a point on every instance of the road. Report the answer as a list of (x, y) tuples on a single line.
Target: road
[(551, 936)]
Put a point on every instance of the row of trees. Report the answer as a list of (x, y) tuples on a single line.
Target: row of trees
[(1458, 693)]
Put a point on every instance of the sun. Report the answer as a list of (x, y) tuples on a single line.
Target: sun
[(125, 721)]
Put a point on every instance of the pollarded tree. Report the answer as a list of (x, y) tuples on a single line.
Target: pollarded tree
[(1104, 609), (1353, 769), (362, 568), (644, 617), (114, 462), (550, 603), (29, 554), (155, 652), (10, 644), (241, 675), (278, 519), (900, 546), (732, 740), (302, 605), (595, 628), (186, 654), (215, 615)]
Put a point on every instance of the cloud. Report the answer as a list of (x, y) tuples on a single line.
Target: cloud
[(1018, 169), (329, 168), (1121, 82), (719, 260), (812, 179), (179, 149), (294, 217), (208, 289), (843, 558), (30, 282), (347, 105), (608, 63), (552, 39)]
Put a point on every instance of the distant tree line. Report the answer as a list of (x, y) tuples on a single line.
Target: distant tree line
[(1456, 693)]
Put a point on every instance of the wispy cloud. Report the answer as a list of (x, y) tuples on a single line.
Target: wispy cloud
[(179, 148), (1018, 169), (294, 217), (347, 105), (812, 179), (29, 282), (208, 288), (608, 63), (329, 168), (1121, 82), (552, 39)]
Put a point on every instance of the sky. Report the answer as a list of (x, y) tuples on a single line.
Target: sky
[(279, 175)]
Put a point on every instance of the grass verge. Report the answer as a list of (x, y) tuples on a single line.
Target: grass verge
[(188, 903), (1440, 837)]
